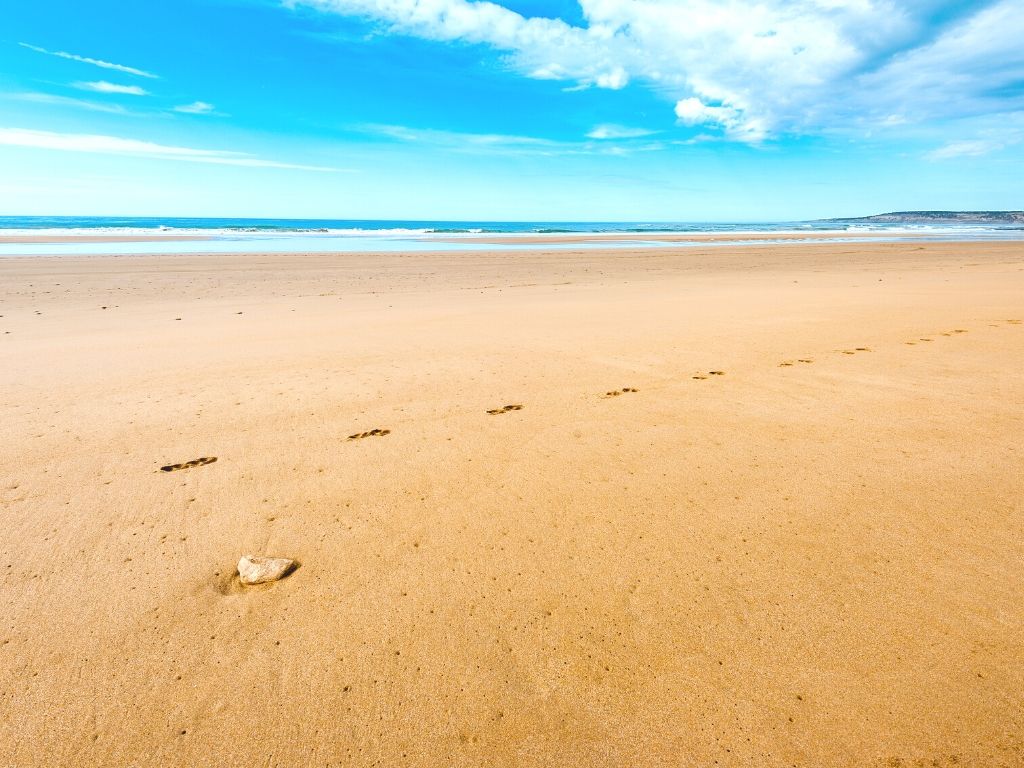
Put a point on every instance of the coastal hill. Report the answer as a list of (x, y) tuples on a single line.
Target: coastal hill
[(939, 217)]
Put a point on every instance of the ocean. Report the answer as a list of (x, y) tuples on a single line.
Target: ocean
[(356, 227), (184, 225), (233, 235)]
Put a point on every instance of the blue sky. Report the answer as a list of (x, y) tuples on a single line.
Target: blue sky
[(653, 110)]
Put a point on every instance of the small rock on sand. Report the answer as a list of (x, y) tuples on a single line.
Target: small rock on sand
[(253, 569)]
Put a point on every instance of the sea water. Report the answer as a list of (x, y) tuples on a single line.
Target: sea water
[(240, 235)]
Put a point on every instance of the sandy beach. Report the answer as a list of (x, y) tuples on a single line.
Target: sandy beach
[(798, 542)]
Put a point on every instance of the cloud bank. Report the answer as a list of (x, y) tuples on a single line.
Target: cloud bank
[(752, 69)]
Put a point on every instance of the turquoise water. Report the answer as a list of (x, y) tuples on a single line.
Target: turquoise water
[(395, 226), (352, 235)]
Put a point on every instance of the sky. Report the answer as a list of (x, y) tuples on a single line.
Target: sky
[(597, 110)]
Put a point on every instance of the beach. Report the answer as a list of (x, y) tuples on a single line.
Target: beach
[(799, 541)]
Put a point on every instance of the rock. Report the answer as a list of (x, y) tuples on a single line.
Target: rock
[(253, 569)]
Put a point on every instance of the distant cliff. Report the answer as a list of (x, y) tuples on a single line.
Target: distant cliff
[(939, 217)]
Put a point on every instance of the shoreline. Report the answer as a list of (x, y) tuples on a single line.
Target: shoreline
[(513, 246), (492, 238), (683, 237), (713, 254)]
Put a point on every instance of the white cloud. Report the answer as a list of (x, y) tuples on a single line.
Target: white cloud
[(462, 141), (495, 143), (615, 80), (750, 69), (1010, 133), (969, 148), (94, 62), (693, 111), (195, 108), (67, 101), (498, 143), (609, 131), (543, 48), (890, 120), (115, 145), (102, 86)]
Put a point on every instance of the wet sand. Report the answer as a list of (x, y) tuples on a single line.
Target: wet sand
[(688, 237), (799, 541)]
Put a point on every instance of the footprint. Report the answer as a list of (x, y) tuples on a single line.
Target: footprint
[(924, 339), (959, 330), (200, 462), (717, 373), (848, 351), (785, 364), (505, 409), (805, 360), (371, 433), (862, 349), (617, 392), (698, 376), (1013, 322)]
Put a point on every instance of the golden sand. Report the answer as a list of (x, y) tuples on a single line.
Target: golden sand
[(799, 541)]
